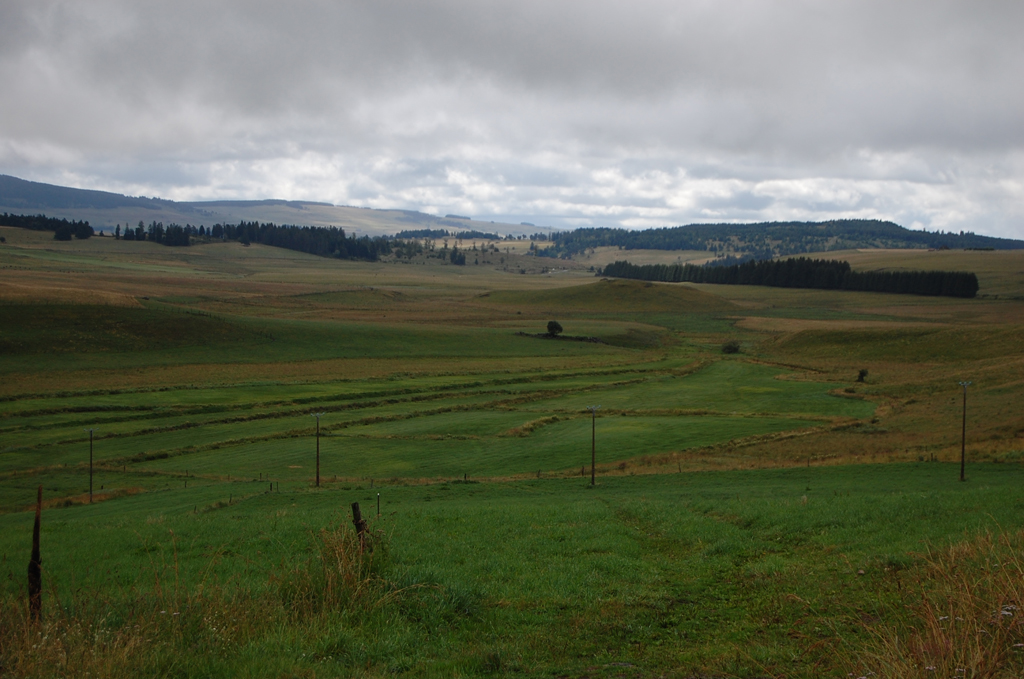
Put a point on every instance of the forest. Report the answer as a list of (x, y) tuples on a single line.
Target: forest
[(801, 272), (62, 228), (314, 240), (445, 233)]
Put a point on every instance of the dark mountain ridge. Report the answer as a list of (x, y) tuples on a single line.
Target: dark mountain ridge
[(105, 210), (21, 193)]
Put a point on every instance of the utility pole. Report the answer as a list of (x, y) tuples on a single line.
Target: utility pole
[(593, 443), (317, 416), (90, 463), (963, 432)]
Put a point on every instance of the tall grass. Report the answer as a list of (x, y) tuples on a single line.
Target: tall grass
[(166, 626), (342, 574), (964, 617)]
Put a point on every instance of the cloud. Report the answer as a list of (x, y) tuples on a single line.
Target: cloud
[(648, 114)]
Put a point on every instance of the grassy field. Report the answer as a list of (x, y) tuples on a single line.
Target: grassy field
[(761, 513)]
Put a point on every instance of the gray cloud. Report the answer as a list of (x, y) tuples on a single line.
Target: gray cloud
[(647, 114)]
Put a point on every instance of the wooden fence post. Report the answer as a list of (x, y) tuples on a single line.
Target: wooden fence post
[(359, 523), (35, 570)]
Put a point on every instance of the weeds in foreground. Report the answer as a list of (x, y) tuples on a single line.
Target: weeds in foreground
[(964, 617), (166, 628)]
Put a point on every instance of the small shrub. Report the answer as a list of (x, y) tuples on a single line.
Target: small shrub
[(862, 374), (731, 347)]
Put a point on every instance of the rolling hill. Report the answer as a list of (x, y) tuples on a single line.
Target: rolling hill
[(104, 210), (773, 239)]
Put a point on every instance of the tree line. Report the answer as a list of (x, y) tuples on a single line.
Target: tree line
[(444, 233), (62, 228), (171, 235), (323, 241), (329, 241), (801, 272)]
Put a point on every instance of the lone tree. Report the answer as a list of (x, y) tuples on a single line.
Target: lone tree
[(554, 328), (861, 374)]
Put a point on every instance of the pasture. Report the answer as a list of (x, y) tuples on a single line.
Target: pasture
[(755, 514)]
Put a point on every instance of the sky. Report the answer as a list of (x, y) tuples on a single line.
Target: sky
[(634, 114)]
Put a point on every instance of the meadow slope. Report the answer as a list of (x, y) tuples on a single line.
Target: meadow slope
[(759, 513)]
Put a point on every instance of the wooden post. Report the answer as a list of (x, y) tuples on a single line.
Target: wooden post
[(378, 504), (963, 433), (593, 443), (90, 466), (35, 570), (359, 523), (317, 416)]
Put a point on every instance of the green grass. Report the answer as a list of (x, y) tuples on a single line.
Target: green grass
[(433, 401), (81, 337), (428, 428), (724, 386), (60, 329), (430, 450), (729, 572)]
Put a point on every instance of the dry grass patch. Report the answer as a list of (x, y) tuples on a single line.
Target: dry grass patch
[(963, 616), (230, 374), (778, 324), (47, 294), (83, 498)]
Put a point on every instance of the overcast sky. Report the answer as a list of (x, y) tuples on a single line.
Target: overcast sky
[(637, 114)]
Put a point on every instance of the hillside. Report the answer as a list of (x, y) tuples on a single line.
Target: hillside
[(618, 296), (717, 514), (104, 210), (772, 239)]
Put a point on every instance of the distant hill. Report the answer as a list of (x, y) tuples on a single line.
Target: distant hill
[(772, 239), (104, 210)]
